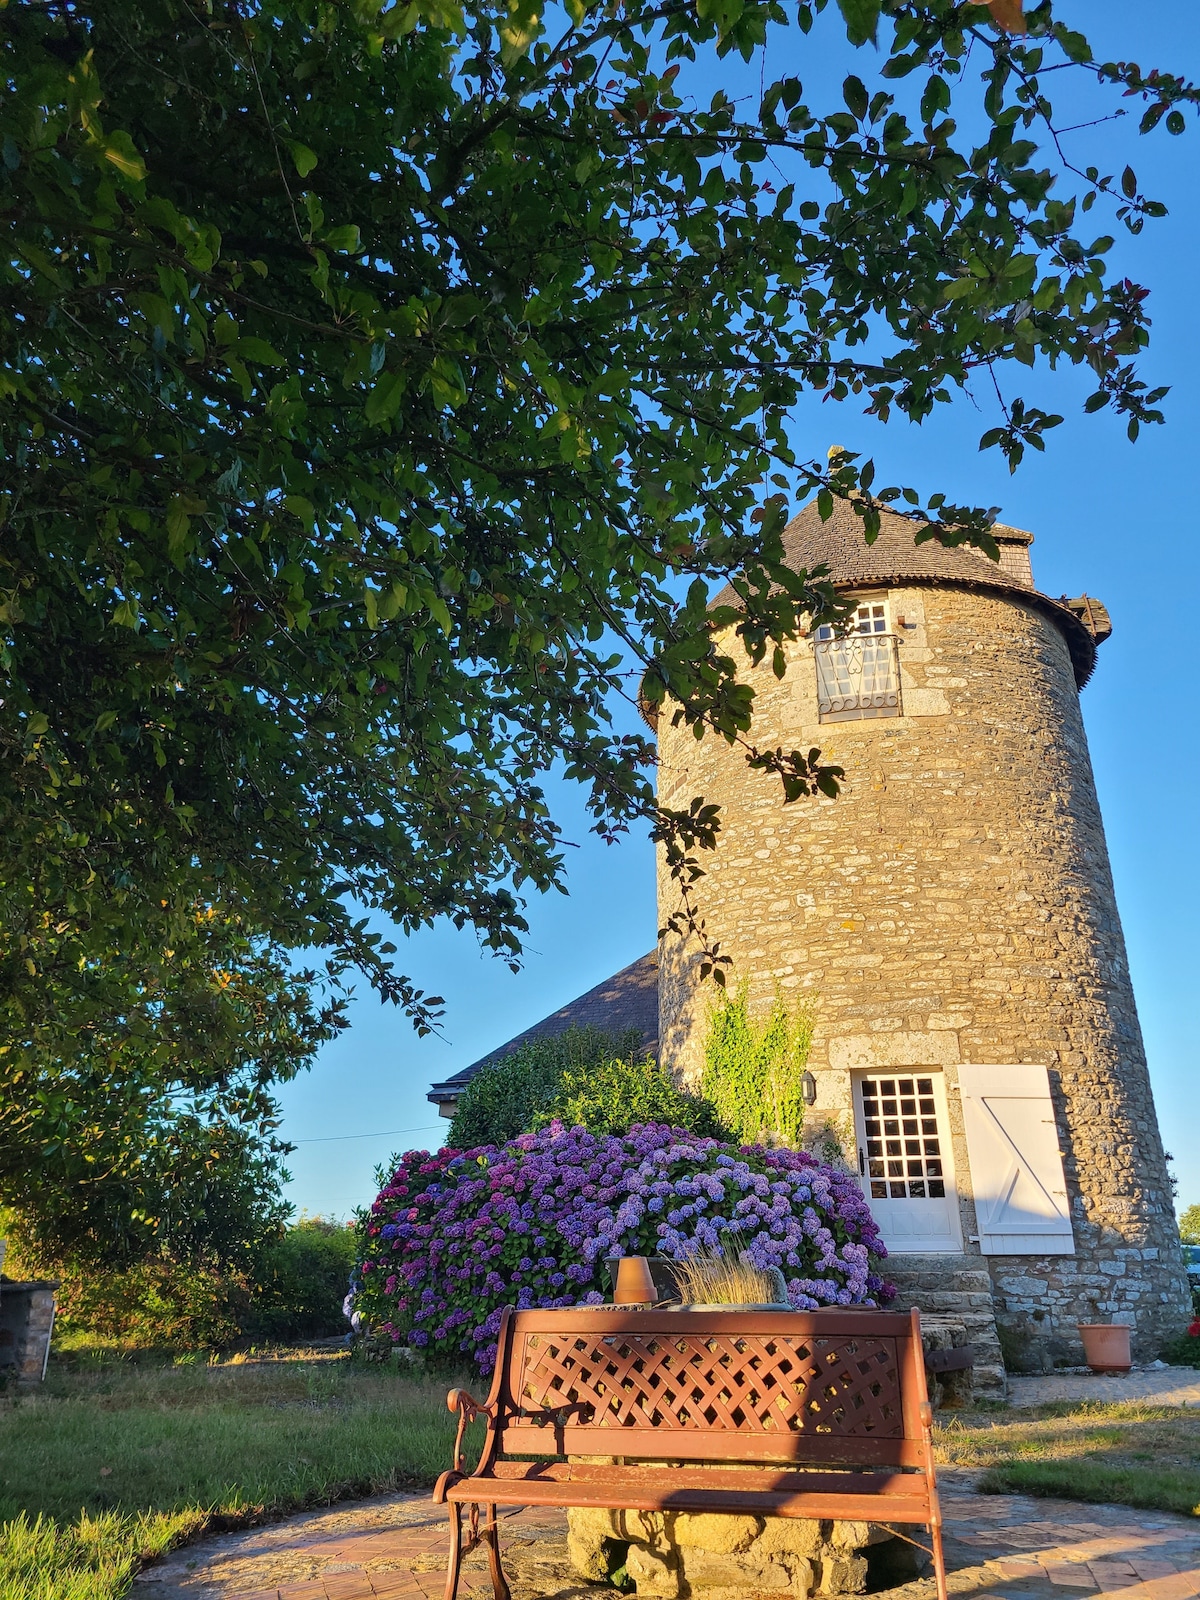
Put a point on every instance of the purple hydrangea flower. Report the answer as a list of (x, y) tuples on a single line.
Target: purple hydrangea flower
[(457, 1235)]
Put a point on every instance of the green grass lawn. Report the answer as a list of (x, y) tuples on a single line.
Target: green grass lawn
[(1134, 1455), (113, 1461)]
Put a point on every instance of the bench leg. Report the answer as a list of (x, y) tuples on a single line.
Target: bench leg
[(939, 1559), (491, 1534), (454, 1561)]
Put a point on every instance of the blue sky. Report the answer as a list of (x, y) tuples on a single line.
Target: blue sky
[(1114, 519)]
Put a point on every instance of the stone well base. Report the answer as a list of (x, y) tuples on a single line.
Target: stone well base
[(675, 1555)]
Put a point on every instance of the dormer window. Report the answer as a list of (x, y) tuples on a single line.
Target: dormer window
[(858, 673)]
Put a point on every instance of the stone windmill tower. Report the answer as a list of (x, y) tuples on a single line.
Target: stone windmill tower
[(977, 1055)]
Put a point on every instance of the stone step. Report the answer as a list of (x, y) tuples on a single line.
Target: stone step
[(954, 1289)]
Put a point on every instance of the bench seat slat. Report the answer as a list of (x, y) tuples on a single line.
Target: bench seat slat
[(777, 1479), (713, 1444), (877, 1505)]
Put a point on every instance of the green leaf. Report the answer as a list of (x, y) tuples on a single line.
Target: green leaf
[(259, 351), (522, 26), (854, 92), (1075, 47), (1152, 116), (861, 18), (304, 158), (392, 600), (446, 14), (178, 524), (345, 239), (384, 399), (448, 389), (120, 150)]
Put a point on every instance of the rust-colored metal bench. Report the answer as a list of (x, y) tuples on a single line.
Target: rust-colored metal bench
[(817, 1415)]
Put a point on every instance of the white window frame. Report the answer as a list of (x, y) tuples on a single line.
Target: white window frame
[(858, 680)]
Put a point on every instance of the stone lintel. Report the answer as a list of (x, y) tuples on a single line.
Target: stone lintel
[(862, 1052)]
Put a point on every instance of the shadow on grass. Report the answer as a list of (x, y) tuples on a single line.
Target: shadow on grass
[(1124, 1454), (1147, 1488)]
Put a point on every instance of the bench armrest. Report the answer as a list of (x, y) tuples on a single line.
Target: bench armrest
[(468, 1408)]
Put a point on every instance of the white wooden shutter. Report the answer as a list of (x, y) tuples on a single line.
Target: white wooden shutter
[(1016, 1167)]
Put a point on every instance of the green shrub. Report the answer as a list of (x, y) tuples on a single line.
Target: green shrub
[(506, 1098), (752, 1069), (604, 1082), (156, 1305), (300, 1282), (614, 1095), (1184, 1349), (293, 1291)]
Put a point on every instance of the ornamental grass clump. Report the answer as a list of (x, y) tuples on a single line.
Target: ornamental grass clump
[(711, 1279), (456, 1236)]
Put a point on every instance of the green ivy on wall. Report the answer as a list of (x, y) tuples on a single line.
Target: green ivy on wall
[(753, 1068)]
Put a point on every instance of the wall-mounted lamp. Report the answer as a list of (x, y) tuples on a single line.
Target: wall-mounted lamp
[(808, 1089)]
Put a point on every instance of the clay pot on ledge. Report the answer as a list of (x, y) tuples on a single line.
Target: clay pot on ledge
[(1105, 1346), (634, 1284)]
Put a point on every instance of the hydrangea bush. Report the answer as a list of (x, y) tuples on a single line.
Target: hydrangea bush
[(456, 1236)]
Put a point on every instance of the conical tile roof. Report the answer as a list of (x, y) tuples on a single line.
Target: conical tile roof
[(839, 544)]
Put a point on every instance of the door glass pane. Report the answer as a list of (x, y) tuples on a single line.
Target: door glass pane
[(906, 1164)]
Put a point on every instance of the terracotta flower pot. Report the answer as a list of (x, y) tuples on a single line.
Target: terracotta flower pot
[(1105, 1346), (662, 1273), (635, 1285)]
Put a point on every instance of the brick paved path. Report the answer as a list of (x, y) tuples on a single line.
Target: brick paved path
[(1170, 1386), (999, 1547)]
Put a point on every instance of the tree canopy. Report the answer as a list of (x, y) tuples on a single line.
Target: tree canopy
[(383, 383), (136, 1113)]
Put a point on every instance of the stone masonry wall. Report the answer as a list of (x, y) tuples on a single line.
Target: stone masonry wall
[(954, 904)]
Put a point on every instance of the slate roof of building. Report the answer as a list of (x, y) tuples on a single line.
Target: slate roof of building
[(840, 545), (629, 999)]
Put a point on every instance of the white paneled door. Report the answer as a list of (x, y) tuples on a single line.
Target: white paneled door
[(905, 1160)]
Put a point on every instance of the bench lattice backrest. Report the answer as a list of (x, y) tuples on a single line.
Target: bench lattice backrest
[(754, 1386)]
